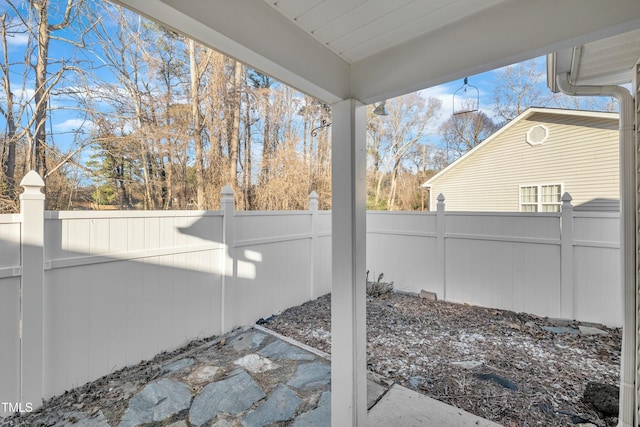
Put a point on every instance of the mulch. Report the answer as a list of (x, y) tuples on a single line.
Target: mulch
[(500, 365)]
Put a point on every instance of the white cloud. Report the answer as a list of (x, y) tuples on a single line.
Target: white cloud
[(17, 40), (72, 125), (445, 95)]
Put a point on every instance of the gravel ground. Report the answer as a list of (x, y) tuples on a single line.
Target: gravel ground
[(517, 373)]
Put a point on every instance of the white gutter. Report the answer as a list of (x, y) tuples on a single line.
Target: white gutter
[(627, 236)]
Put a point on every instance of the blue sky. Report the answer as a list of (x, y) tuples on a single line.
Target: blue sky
[(485, 82), (66, 122)]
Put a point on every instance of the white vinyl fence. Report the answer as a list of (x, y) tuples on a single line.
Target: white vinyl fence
[(85, 293), (560, 265)]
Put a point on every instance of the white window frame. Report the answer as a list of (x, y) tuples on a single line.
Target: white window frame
[(538, 203)]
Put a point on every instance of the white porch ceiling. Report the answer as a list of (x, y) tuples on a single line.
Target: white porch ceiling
[(371, 50), (356, 29)]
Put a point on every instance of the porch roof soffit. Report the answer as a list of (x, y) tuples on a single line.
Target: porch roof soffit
[(608, 61), (257, 34)]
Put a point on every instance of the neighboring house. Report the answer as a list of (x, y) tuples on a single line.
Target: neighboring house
[(529, 163)]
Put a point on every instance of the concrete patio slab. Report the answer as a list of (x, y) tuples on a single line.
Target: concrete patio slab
[(407, 408)]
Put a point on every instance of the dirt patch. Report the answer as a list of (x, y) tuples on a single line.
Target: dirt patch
[(498, 364)]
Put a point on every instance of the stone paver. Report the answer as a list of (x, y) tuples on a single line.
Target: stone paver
[(255, 363), (249, 340), (319, 417), (203, 374), (284, 351), (157, 402), (178, 365), (310, 375), (232, 395), (281, 406)]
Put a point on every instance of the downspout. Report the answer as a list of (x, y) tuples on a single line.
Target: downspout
[(627, 236)]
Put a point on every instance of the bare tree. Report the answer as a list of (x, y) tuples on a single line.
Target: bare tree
[(396, 135), (462, 132), (593, 103), (262, 83), (30, 83), (197, 70), (318, 153), (44, 81), (235, 111), (10, 140), (520, 86), (144, 92)]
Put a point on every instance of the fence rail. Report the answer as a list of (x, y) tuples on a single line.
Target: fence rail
[(84, 293)]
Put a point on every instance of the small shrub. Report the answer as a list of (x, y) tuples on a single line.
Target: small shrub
[(378, 287)]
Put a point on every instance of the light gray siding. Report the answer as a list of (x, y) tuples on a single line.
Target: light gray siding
[(581, 153)]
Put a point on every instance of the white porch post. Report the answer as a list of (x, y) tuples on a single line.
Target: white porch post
[(636, 253), (348, 300)]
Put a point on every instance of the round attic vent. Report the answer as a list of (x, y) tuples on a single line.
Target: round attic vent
[(537, 134)]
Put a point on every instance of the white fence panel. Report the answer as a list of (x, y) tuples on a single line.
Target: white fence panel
[(597, 271), (9, 309), (514, 276), (123, 286), (402, 245), (504, 260), (270, 226), (509, 226), (272, 254), (322, 255)]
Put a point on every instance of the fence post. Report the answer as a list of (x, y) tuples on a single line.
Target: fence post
[(566, 257), (440, 255), (313, 209), (227, 205), (32, 290)]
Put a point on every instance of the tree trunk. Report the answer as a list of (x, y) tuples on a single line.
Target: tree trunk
[(246, 184), (197, 124), (40, 91), (8, 157), (234, 138), (392, 189), (266, 143)]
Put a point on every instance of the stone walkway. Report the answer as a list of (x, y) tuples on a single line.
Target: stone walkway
[(250, 377)]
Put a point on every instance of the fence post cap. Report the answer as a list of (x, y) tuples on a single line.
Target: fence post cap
[(227, 190), (313, 201), (566, 197), (441, 197), (32, 184), (32, 179)]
